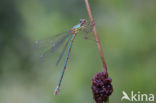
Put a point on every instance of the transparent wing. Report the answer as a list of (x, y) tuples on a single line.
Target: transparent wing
[(62, 53), (47, 42), (51, 45)]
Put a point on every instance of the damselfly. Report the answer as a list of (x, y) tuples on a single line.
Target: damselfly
[(55, 44)]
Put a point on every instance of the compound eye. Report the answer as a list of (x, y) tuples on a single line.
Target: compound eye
[(82, 20)]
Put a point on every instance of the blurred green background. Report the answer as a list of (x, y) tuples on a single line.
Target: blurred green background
[(127, 30)]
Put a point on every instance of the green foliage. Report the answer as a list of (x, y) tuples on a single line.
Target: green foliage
[(127, 32)]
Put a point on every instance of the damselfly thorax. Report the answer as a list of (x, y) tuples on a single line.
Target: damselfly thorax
[(76, 29)]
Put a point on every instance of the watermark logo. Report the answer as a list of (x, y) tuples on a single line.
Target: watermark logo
[(138, 96)]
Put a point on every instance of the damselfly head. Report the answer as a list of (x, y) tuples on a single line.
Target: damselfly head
[(83, 21)]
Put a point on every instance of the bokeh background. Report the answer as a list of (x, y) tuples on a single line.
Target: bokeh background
[(127, 30)]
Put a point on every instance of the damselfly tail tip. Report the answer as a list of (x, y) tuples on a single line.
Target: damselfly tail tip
[(57, 90)]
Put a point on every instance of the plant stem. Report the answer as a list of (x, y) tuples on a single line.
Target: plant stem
[(96, 37)]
